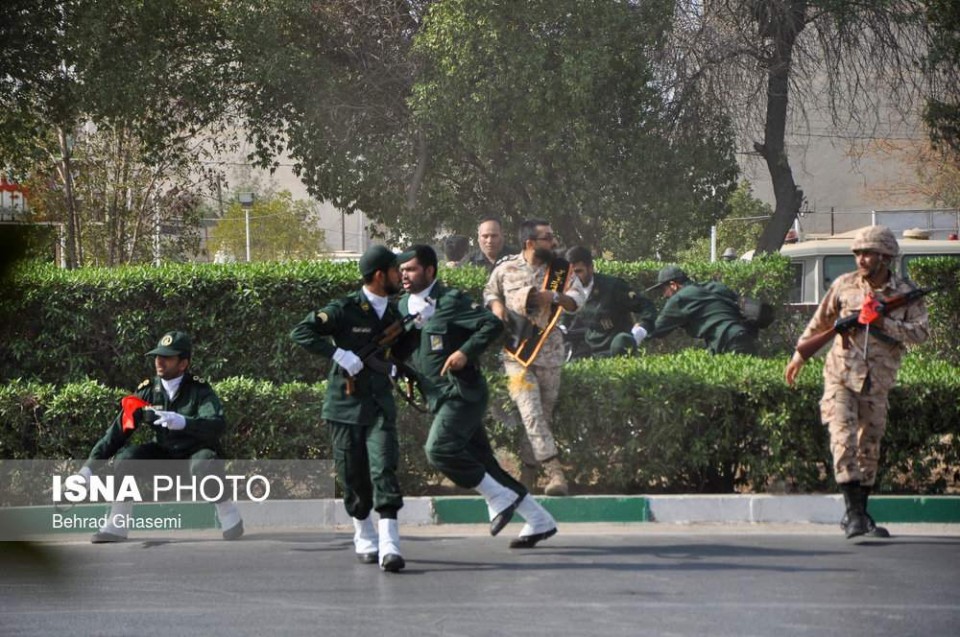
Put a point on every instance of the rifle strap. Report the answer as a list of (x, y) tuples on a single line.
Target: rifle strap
[(555, 280)]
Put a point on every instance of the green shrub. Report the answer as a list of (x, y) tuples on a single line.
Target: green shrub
[(66, 326), (688, 422), (943, 306)]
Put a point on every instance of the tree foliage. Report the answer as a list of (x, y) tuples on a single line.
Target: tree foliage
[(327, 83), (428, 115), (738, 229), (281, 228), (556, 109), (153, 78), (942, 62)]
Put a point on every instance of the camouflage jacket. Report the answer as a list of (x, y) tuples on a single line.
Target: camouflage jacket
[(845, 362), (512, 282)]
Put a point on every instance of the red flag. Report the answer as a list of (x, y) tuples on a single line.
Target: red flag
[(870, 310), (130, 404)]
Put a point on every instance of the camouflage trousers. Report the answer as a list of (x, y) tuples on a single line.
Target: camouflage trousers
[(856, 422), (535, 391)]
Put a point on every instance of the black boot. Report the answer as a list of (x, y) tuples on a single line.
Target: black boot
[(855, 520), (872, 529)]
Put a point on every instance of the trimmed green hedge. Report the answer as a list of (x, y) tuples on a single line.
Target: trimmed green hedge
[(653, 424), (943, 306), (66, 326)]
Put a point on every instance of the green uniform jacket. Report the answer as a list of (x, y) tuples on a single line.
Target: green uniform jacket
[(612, 308), (458, 323), (195, 401), (349, 323), (709, 311)]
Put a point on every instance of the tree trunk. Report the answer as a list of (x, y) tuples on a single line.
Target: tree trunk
[(782, 25), (66, 175)]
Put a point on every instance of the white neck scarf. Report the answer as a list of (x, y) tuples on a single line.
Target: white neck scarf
[(418, 301), (172, 386)]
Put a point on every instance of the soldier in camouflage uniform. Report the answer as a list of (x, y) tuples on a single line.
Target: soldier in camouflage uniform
[(615, 319), (448, 336), (187, 420), (516, 283), (359, 407), (861, 367)]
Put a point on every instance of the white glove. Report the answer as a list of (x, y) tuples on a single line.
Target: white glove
[(348, 360), (84, 474), (638, 333), (170, 419)]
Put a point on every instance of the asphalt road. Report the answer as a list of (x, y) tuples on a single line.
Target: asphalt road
[(588, 580)]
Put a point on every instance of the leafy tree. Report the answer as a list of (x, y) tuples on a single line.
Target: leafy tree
[(151, 75), (739, 229), (556, 109), (942, 113), (281, 228), (762, 60), (327, 83), (133, 209), (428, 115)]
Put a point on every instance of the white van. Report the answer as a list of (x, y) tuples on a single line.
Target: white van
[(816, 263)]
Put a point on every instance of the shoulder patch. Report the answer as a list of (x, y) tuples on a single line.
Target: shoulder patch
[(145, 383), (322, 317), (506, 258)]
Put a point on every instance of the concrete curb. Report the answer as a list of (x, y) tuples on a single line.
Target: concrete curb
[(425, 511)]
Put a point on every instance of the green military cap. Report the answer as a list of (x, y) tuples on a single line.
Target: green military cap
[(377, 257), (668, 274), (173, 344)]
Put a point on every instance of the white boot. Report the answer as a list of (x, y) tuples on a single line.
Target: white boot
[(115, 530), (538, 518), (390, 558), (501, 502), (365, 540), (540, 524), (230, 521)]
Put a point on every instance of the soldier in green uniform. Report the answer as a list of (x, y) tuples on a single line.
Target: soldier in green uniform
[(448, 336), (614, 319), (359, 407), (709, 311), (187, 421)]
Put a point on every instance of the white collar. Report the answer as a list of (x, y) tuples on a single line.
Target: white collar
[(378, 302), (418, 300), (172, 386)]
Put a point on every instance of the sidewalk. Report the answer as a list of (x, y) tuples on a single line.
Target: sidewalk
[(432, 511)]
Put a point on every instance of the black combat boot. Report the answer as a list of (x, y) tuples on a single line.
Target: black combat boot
[(872, 529), (855, 520)]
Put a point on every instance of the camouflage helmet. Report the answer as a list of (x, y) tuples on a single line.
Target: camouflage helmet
[(879, 239)]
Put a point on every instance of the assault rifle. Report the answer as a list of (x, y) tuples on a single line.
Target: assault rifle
[(370, 353), (812, 345)]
